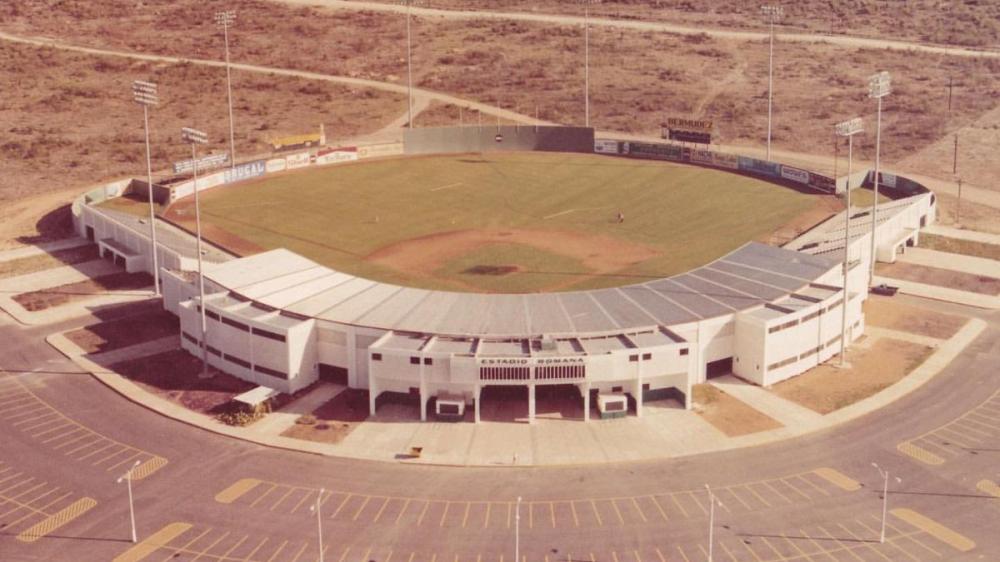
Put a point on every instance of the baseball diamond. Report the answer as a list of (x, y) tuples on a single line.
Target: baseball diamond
[(286, 313)]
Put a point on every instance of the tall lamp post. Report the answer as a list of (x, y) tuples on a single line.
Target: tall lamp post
[(586, 65), (409, 70), (885, 496), (226, 19), (712, 501), (145, 94), (772, 12), (127, 477), (517, 531), (195, 137), (847, 129), (879, 86), (315, 508)]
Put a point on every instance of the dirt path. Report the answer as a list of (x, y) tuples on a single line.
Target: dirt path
[(840, 40)]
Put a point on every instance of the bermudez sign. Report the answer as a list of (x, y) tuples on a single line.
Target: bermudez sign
[(245, 171), (680, 123)]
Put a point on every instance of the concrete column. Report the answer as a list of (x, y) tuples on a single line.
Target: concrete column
[(477, 394), (585, 390), (531, 403), (423, 395), (372, 394), (637, 394)]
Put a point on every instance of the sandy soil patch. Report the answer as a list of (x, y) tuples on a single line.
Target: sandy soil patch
[(940, 277), (31, 264), (826, 205), (181, 214), (174, 375), (883, 312), (124, 332), (34, 301), (729, 415), (334, 420), (34, 220), (827, 388), (423, 256), (959, 246)]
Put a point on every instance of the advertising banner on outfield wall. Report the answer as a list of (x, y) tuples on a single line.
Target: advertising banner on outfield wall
[(655, 151), (604, 146), (794, 174), (763, 167), (728, 161), (245, 171), (702, 156), (822, 183), (376, 150), (335, 155), (299, 160), (274, 165), (211, 180)]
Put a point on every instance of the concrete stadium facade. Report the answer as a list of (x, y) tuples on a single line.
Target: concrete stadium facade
[(762, 312)]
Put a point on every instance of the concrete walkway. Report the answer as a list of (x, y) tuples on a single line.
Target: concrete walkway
[(278, 421), (665, 430), (962, 234), (788, 413), (941, 293), (955, 262), (57, 276), (40, 249), (145, 349), (875, 332)]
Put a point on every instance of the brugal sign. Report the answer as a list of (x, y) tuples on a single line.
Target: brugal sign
[(528, 361)]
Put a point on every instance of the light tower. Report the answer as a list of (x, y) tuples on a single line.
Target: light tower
[(879, 86), (226, 19), (847, 129), (772, 12), (145, 94)]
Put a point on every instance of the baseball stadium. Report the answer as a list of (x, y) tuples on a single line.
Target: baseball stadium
[(469, 264)]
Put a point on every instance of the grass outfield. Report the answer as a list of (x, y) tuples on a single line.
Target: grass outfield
[(384, 219)]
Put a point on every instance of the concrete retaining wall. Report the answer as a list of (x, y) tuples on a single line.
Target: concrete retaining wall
[(436, 140)]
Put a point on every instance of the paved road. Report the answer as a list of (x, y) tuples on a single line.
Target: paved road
[(841, 40), (66, 438)]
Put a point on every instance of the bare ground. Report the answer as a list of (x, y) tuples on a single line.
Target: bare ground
[(333, 421), (729, 415), (826, 388), (174, 375), (57, 296), (940, 277), (32, 264), (125, 332), (884, 312)]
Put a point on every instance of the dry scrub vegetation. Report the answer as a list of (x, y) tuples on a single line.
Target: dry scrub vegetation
[(74, 122), (972, 22)]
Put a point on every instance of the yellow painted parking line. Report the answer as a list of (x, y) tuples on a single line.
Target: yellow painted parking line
[(237, 490), (427, 505), (679, 506), (444, 514), (890, 540), (576, 519), (759, 497), (301, 550), (684, 556), (788, 484), (728, 552), (361, 509), (819, 548), (933, 528), (274, 555), (694, 498), (733, 493), (838, 479), (922, 455), (867, 543), (343, 556), (614, 556), (659, 508), (237, 544), (153, 543), (597, 514), (990, 487), (660, 555), (843, 547), (342, 504), (776, 552), (956, 437), (621, 520), (406, 504), (205, 551), (812, 484)]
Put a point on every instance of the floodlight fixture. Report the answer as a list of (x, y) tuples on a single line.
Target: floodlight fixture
[(194, 136), (145, 93), (773, 12), (850, 128), (879, 85)]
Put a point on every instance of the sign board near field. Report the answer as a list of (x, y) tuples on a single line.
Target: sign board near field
[(246, 171), (794, 174), (204, 163), (334, 155), (298, 160), (602, 146), (684, 124)]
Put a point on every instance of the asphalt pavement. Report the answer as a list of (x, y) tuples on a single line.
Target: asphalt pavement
[(66, 439)]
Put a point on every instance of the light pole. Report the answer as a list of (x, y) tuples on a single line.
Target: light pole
[(847, 129), (319, 520), (586, 65), (127, 477), (879, 86), (885, 497), (195, 137), (225, 19), (772, 12), (712, 501), (409, 70), (517, 531), (145, 94)]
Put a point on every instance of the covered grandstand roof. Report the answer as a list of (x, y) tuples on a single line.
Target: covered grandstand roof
[(753, 274)]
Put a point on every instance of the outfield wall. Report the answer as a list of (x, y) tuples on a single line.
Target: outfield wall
[(438, 140)]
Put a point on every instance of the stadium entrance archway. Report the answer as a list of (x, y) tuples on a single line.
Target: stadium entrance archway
[(719, 368), (558, 401), (504, 403)]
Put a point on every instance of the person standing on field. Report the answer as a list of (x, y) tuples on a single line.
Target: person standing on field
[(621, 217)]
